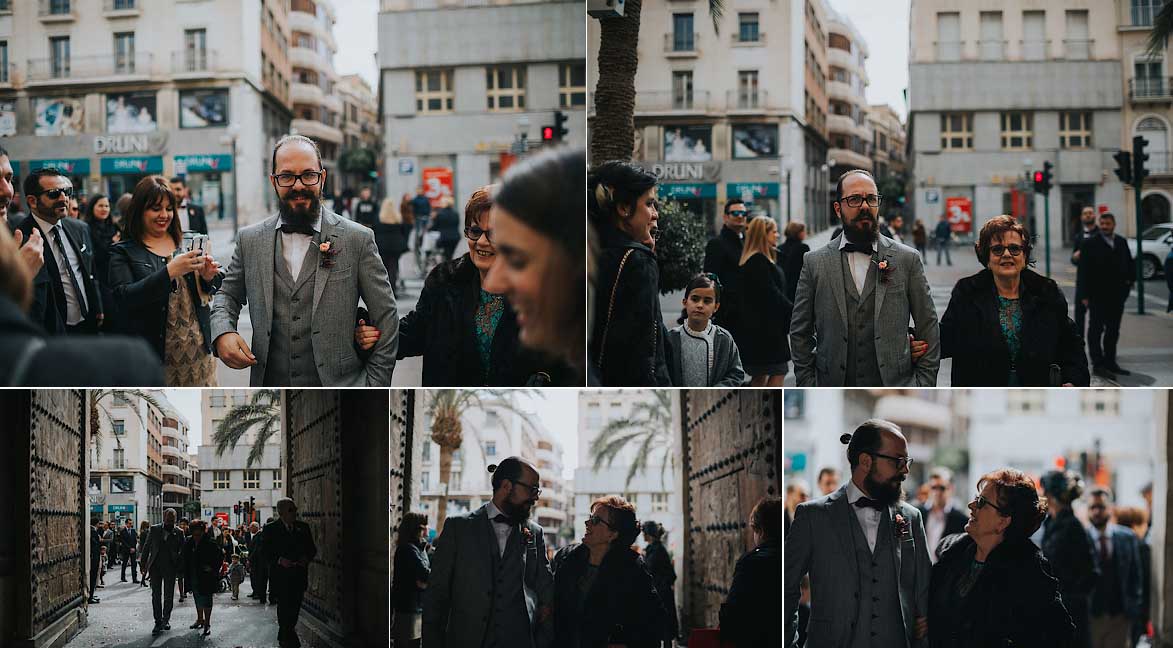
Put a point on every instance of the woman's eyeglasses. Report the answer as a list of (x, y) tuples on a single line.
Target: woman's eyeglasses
[(473, 233), (999, 250), (980, 502), (594, 519), (308, 178)]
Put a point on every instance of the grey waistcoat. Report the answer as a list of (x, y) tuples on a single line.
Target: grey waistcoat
[(509, 619), (863, 369), (879, 622), (291, 351)]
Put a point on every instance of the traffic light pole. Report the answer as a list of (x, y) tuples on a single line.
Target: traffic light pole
[(1047, 232), (1139, 255)]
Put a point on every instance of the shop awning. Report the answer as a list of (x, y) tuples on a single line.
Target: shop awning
[(68, 166), (749, 190), (687, 191), (211, 163), (132, 165)]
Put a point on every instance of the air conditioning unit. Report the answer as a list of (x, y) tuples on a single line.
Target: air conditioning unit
[(600, 9)]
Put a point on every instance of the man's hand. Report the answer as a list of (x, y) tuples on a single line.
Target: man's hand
[(1075, 255), (33, 252), (1083, 301), (918, 347), (365, 335), (285, 562), (544, 613), (233, 352), (921, 630)]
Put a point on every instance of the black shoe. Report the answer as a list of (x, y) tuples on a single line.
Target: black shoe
[(197, 624), (124, 580), (207, 630), (94, 600), (157, 630), (261, 601), (167, 626), (1115, 368), (1103, 372)]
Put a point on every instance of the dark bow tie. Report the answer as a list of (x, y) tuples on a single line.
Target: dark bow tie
[(856, 247), (867, 502), (504, 519), (289, 228)]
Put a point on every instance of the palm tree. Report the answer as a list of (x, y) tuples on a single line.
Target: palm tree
[(445, 410), (261, 412), (649, 427), (1162, 30), (100, 406), (612, 129)]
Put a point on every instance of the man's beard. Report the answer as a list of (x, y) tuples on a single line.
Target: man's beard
[(886, 493), (858, 234), (300, 217), (518, 512)]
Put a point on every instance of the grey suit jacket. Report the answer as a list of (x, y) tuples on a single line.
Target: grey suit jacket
[(459, 597), (820, 544), (358, 271), (818, 328), (156, 543)]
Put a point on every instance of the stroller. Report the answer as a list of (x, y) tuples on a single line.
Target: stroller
[(225, 584)]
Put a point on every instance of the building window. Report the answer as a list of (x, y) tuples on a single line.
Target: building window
[(659, 502), (426, 481), (58, 7), (1075, 130), (682, 33), (216, 400), (1099, 402), (123, 4), (119, 427), (119, 458), (1078, 41), (219, 479), (957, 131), (747, 27), (992, 45), (124, 53), (276, 480), (948, 36), (747, 89), (433, 91), (195, 50), (59, 57), (571, 85), (682, 89), (1034, 35), (1143, 12), (252, 479), (490, 448), (506, 86), (4, 62), (1026, 401), (427, 454), (1017, 130), (454, 480), (1147, 80)]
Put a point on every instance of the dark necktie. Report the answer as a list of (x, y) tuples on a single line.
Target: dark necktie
[(289, 228), (81, 296), (867, 502), (1104, 547), (854, 247)]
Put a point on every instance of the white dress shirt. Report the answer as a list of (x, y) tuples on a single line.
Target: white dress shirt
[(858, 262), (1096, 535), (184, 219), (935, 529), (295, 246), (73, 301), (500, 529), (869, 518)]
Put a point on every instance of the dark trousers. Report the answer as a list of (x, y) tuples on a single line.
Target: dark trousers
[(95, 567), (391, 262), (1081, 316), (162, 596), (288, 609), (127, 557), (260, 581), (943, 246), (1103, 331)]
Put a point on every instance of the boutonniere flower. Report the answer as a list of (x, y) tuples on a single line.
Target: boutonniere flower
[(902, 528), (328, 252), (885, 269), (529, 535)]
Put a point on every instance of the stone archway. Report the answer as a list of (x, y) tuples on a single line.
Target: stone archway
[(1154, 209)]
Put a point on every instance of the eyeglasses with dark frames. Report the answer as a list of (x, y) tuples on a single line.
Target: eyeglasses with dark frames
[(980, 502), (594, 519), (54, 194), (901, 462), (854, 201), (308, 178), (473, 233), (534, 490), (999, 250)]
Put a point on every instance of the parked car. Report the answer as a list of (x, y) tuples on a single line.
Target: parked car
[(1158, 240)]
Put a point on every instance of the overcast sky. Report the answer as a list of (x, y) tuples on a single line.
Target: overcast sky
[(357, 34), (884, 26)]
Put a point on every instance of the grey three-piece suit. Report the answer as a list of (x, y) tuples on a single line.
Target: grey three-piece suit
[(303, 327), (842, 337), (859, 597)]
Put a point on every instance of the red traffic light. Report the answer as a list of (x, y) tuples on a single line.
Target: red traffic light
[(1038, 176), (547, 133)]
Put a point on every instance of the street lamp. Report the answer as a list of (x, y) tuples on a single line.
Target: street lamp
[(229, 139)]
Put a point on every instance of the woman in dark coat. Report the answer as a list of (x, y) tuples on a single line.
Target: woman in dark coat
[(603, 593), (98, 214), (790, 256), (468, 336), (765, 308), (412, 570), (992, 586), (1007, 326), (201, 559), (659, 564), (163, 291), (1068, 547), (749, 615), (627, 335), (391, 237), (447, 223)]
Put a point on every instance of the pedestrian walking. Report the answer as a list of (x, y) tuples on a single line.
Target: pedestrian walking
[(421, 209), (129, 543), (1068, 547), (160, 557), (289, 548), (1116, 602), (920, 239), (700, 353), (1088, 229), (392, 237), (943, 237), (447, 223), (1007, 326), (236, 574), (95, 559), (754, 593), (763, 341), (412, 571), (659, 565), (365, 210), (722, 257), (1107, 273), (790, 257), (144, 529), (258, 565), (201, 560)]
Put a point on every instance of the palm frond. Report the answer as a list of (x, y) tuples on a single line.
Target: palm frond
[(1162, 30), (716, 11)]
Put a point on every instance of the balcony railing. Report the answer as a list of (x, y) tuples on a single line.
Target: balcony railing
[(1034, 50), (122, 7), (760, 40), (992, 50), (1159, 164), (667, 100), (1151, 89), (745, 99), (57, 10), (89, 67), (1077, 49), (948, 51), (684, 43)]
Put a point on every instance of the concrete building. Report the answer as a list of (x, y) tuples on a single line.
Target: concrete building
[(174, 430), (110, 92), (1056, 66), (466, 85), (227, 479), (888, 142), (360, 127), (489, 437), (317, 107), (848, 124), (1147, 111), (654, 492), (740, 112), (193, 464)]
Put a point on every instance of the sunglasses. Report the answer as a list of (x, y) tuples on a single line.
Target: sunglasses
[(594, 519), (738, 213), (54, 194), (1014, 250), (473, 233), (981, 502)]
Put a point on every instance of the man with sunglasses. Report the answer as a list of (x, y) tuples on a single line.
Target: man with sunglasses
[(302, 273), (66, 297), (854, 300), (491, 583), (723, 258), (865, 551), (1106, 273), (942, 518)]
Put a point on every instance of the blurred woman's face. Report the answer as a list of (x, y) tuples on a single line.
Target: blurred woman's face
[(156, 220), (1006, 264), (772, 236), (638, 222), (481, 251), (598, 530), (534, 275), (987, 521), (102, 209)]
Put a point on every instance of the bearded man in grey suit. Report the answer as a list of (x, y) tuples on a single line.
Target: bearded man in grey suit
[(302, 271), (865, 552), (491, 583), (854, 300)]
